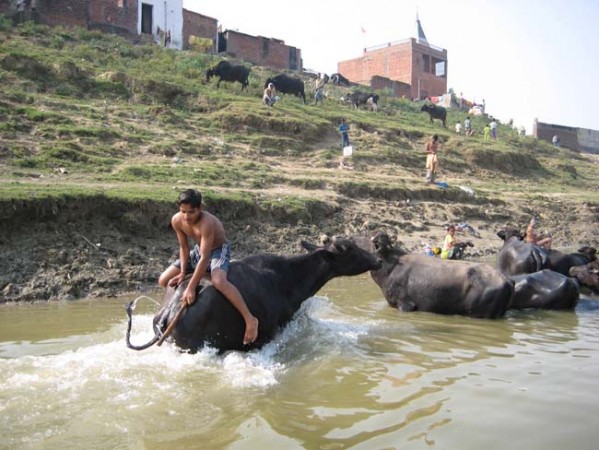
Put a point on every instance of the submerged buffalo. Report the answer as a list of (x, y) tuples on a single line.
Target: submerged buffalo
[(274, 287), (587, 275), (422, 283), (545, 289)]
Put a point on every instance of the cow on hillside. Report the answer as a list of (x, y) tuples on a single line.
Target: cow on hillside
[(435, 112), (361, 98), (225, 71), (288, 85), (339, 80)]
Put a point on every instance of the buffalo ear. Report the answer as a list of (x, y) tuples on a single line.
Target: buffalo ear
[(341, 245), (309, 246), (501, 235)]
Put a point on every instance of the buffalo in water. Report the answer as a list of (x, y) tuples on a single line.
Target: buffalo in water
[(274, 287), (587, 275), (545, 289), (517, 257), (423, 283)]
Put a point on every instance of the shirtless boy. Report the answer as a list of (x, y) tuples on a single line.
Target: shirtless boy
[(210, 254), (533, 238)]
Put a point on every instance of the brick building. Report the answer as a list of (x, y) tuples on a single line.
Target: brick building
[(259, 50), (413, 61), (165, 21), (198, 25)]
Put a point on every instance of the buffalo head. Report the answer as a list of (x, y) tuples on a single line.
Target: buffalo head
[(209, 74)]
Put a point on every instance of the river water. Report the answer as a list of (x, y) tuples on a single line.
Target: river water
[(348, 372)]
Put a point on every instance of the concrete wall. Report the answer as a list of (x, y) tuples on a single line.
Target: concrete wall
[(580, 139), (261, 51), (167, 16)]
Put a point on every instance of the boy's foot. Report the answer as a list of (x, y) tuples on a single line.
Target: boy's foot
[(251, 331)]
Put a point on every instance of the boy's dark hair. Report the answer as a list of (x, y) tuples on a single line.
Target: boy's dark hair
[(435, 137), (190, 197)]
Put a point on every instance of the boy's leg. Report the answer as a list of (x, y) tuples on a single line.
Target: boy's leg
[(167, 275), (220, 282)]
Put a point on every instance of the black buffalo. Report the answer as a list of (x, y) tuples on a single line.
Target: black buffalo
[(435, 112), (225, 71), (273, 287), (517, 257), (587, 275), (339, 80), (361, 98), (562, 262), (288, 85), (422, 283), (544, 290)]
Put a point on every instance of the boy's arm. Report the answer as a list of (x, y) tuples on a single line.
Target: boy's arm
[(206, 246), (183, 252)]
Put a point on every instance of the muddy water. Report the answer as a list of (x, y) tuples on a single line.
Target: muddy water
[(349, 372)]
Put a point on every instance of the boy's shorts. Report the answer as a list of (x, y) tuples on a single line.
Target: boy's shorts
[(220, 258)]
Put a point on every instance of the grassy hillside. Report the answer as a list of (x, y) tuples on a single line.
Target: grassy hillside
[(95, 128)]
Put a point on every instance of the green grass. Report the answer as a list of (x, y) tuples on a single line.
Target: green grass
[(115, 114)]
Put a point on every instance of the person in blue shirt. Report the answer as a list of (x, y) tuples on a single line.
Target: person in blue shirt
[(344, 130)]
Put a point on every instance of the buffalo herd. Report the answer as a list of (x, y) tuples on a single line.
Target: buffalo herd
[(287, 84), (274, 287)]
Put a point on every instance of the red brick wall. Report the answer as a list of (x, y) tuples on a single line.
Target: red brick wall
[(399, 89), (195, 24), (114, 15), (402, 62), (63, 12), (107, 15), (262, 51)]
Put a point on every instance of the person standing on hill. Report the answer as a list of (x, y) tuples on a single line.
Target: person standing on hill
[(344, 130), (487, 132), (493, 126), (467, 127), (432, 163)]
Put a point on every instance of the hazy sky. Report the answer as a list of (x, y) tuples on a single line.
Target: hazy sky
[(525, 58)]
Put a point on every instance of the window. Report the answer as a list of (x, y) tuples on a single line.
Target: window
[(146, 18), (427, 63), (440, 68)]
